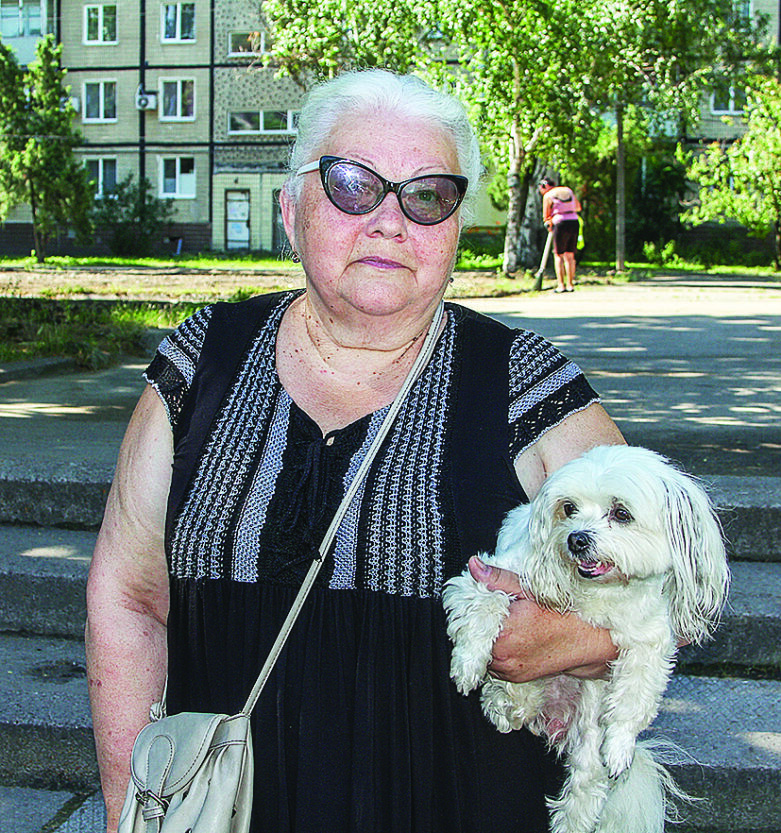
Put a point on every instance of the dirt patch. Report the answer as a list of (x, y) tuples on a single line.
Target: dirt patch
[(183, 284)]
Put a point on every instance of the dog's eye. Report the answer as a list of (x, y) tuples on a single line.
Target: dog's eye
[(568, 508), (621, 514)]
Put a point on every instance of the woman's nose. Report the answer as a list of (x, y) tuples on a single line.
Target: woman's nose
[(388, 219)]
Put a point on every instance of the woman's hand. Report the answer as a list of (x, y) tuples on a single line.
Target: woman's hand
[(536, 642)]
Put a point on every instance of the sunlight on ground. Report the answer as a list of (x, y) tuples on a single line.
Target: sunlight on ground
[(767, 741)]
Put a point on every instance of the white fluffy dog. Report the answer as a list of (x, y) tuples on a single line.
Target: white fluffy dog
[(628, 543)]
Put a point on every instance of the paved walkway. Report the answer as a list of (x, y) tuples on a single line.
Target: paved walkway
[(689, 366)]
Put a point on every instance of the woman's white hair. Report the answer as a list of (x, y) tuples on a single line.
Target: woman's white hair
[(379, 90)]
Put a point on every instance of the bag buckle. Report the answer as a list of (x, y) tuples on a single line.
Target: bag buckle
[(155, 806)]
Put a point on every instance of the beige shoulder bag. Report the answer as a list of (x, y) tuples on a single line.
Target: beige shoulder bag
[(193, 771)]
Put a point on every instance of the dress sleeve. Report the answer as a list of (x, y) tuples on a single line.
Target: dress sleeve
[(172, 370), (545, 388)]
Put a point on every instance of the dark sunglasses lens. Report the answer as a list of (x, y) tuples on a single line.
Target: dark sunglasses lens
[(431, 199), (351, 188)]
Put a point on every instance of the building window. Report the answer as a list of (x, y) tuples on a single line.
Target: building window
[(100, 24), (728, 101), (178, 22), (100, 101), (178, 99), (177, 176), (20, 18), (103, 172), (246, 44), (263, 121)]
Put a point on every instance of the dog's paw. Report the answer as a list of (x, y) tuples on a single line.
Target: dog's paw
[(618, 750), (510, 706), (467, 669)]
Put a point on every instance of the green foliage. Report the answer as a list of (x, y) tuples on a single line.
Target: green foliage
[(742, 181), (37, 141), (319, 39), (132, 216), (94, 334), (538, 77)]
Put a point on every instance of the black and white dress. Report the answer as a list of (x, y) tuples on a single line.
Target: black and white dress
[(360, 729)]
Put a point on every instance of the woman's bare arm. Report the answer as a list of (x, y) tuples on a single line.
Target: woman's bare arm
[(127, 598)]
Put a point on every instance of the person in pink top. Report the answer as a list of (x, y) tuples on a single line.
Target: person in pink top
[(560, 209)]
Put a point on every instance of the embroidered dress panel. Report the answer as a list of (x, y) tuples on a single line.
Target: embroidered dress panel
[(545, 387), (200, 543), (263, 453), (253, 514)]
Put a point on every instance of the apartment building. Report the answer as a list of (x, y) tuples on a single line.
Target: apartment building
[(172, 91), (728, 100)]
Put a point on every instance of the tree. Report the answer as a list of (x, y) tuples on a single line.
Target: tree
[(322, 38), (539, 76), (742, 181), (132, 216), (657, 57), (520, 68), (498, 57), (37, 141)]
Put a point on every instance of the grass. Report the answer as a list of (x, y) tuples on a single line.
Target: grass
[(210, 260), (97, 332)]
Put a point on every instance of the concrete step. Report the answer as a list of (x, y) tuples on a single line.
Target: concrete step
[(73, 494), (67, 495), (45, 727), (43, 574), (749, 637), (730, 731)]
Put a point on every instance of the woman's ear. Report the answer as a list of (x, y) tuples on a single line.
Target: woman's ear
[(288, 207)]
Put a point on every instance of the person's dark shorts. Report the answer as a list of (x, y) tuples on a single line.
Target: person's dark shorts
[(565, 236)]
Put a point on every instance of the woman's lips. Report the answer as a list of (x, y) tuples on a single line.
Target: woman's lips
[(381, 263)]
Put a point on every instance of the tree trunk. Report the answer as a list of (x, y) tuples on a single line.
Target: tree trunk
[(517, 203), (620, 190), (777, 229), (40, 254)]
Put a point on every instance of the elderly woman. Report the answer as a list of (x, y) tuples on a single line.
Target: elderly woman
[(244, 443)]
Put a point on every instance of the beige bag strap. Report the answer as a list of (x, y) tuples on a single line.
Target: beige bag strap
[(417, 368)]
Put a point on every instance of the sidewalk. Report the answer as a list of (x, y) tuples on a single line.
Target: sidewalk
[(690, 367)]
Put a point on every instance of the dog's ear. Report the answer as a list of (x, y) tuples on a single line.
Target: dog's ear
[(699, 581)]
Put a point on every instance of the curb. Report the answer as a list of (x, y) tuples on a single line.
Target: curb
[(13, 371)]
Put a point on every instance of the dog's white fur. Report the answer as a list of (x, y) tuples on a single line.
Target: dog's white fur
[(629, 543)]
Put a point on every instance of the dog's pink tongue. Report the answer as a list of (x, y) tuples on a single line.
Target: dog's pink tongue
[(592, 569)]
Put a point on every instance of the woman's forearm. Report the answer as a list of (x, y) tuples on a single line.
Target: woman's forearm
[(126, 667)]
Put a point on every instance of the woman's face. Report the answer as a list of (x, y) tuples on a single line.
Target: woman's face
[(380, 263)]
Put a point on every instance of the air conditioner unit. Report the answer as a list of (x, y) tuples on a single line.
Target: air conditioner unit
[(75, 103), (146, 101)]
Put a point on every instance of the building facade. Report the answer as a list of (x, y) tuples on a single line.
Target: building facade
[(172, 92)]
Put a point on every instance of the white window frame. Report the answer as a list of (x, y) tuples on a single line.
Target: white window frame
[(732, 109), (180, 193), (23, 20), (100, 41), (100, 182), (102, 118), (262, 44), (179, 81), (178, 36), (292, 127)]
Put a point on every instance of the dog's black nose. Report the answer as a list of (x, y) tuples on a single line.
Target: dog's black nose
[(578, 542)]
